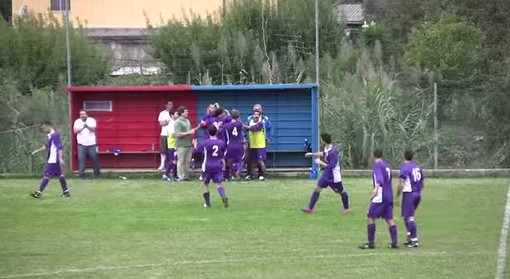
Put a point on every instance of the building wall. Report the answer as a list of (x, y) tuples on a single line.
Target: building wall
[(123, 13)]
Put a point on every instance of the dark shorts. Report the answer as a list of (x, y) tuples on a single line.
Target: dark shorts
[(335, 186), (163, 144), (215, 176), (235, 153), (410, 202), (257, 154), (171, 154), (380, 210), (52, 170)]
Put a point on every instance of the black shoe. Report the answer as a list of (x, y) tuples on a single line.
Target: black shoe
[(225, 202), (408, 242), (366, 246), (413, 244), (36, 194), (393, 246), (66, 194)]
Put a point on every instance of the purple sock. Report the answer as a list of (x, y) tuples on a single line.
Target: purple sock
[(43, 185), (207, 199), (345, 200), (168, 168), (313, 199), (221, 191), (174, 170), (413, 231), (63, 184), (371, 233), (407, 225), (393, 234)]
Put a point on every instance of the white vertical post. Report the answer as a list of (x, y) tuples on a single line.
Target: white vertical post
[(68, 43), (436, 135), (317, 70)]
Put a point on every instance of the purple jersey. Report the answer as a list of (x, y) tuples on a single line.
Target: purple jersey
[(53, 145), (234, 133), (214, 151), (412, 176), (382, 176), (209, 120), (332, 171)]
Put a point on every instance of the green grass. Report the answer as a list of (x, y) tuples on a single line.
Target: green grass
[(152, 229)]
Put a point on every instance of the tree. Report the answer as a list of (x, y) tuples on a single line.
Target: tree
[(449, 49), (33, 53)]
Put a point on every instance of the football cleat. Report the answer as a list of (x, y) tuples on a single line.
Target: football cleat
[(248, 178), (206, 206), (393, 246), (36, 194), (413, 244), (307, 210), (366, 246), (66, 194), (262, 178), (166, 178), (225, 202)]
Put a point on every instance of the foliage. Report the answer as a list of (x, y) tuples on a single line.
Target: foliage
[(254, 42), (449, 49), (33, 53), (365, 110), (21, 116), (375, 32)]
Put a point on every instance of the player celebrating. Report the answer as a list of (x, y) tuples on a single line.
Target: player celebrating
[(235, 145), (171, 164), (411, 183), (257, 149), (331, 176), (212, 167), (55, 161), (381, 202)]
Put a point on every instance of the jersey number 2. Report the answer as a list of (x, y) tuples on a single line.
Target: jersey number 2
[(215, 150)]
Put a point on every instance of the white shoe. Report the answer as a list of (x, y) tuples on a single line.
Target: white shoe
[(160, 168), (200, 178), (261, 178)]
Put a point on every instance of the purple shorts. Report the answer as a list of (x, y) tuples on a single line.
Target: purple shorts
[(380, 210), (335, 186), (257, 154), (410, 202), (171, 154), (52, 170), (215, 176), (234, 153)]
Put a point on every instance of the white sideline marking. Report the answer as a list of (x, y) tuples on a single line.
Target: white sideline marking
[(232, 260), (500, 269)]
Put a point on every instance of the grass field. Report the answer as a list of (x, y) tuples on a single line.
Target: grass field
[(152, 229)]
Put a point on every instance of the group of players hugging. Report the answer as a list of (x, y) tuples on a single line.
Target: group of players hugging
[(228, 146)]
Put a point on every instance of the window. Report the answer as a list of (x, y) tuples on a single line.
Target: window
[(97, 105), (60, 5)]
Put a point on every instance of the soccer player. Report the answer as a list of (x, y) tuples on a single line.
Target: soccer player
[(268, 130), (55, 161), (381, 202), (411, 184), (257, 149), (235, 145), (330, 177), (171, 155), (212, 167)]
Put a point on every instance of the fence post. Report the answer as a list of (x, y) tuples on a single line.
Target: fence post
[(436, 136)]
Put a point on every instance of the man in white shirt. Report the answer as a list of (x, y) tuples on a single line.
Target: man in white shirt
[(165, 121), (85, 130)]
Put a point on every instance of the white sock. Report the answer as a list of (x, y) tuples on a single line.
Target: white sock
[(163, 159)]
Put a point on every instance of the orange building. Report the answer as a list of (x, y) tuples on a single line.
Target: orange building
[(119, 13)]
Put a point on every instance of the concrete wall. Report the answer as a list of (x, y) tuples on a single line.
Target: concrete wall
[(123, 13)]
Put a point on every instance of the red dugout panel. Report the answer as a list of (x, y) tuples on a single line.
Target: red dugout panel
[(129, 122)]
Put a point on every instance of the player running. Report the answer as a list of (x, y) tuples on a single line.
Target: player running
[(381, 202), (331, 176), (212, 167), (411, 184), (55, 161), (235, 145)]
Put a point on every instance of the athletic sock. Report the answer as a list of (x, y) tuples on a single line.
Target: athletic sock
[(207, 199), (393, 234), (44, 183), (345, 200), (371, 234), (313, 199), (63, 184)]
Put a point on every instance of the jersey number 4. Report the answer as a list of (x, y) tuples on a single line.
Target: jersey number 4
[(234, 132), (215, 149)]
